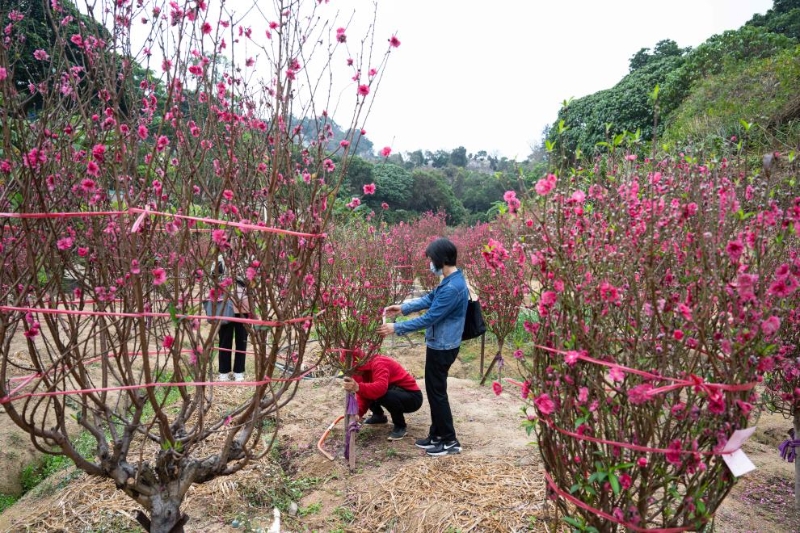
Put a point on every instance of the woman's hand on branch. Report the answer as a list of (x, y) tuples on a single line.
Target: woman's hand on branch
[(392, 311), (350, 385), (385, 329)]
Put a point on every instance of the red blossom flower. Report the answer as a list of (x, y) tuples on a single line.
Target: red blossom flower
[(616, 374), (583, 395), (545, 185), (497, 388), (770, 326), (163, 142), (734, 250), (640, 394), (578, 197), (369, 188), (673, 456), (544, 404), (571, 357), (159, 276), (64, 243), (394, 42), (363, 90), (219, 237)]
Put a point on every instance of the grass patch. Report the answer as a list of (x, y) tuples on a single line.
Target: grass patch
[(281, 493), (6, 501), (314, 508), (35, 473), (344, 514), (165, 396)]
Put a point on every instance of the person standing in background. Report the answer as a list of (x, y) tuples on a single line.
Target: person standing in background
[(231, 332)]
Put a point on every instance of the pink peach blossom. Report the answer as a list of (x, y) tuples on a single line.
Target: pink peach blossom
[(545, 185), (770, 326), (544, 404), (64, 243), (616, 374), (159, 276)]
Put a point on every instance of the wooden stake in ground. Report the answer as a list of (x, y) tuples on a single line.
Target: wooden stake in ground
[(350, 420)]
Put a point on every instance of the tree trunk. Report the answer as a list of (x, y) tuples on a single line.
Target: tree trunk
[(166, 516)]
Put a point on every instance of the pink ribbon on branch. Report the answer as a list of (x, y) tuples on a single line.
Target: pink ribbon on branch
[(9, 398)]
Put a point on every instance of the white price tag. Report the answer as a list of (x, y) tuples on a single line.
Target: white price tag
[(738, 463)]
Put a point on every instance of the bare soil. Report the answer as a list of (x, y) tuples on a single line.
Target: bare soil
[(496, 484)]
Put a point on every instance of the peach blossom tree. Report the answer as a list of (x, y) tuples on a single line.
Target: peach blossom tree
[(658, 310), (181, 133)]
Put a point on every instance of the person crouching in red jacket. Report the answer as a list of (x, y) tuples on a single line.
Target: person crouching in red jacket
[(382, 383)]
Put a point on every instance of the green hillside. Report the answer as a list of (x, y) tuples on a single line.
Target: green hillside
[(728, 84)]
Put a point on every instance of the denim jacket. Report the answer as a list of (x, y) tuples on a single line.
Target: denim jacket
[(444, 321)]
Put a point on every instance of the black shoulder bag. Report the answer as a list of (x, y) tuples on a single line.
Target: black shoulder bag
[(474, 326)]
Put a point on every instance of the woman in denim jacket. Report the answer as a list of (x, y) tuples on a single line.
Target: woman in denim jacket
[(444, 324)]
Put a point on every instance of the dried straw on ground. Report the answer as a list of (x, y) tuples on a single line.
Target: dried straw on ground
[(460, 493), (87, 503), (92, 504)]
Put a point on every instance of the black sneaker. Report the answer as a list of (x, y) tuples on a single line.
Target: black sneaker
[(427, 443), (445, 448), (397, 433), (376, 419)]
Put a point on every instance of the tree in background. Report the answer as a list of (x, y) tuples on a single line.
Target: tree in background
[(394, 186), (431, 192), (416, 159), (626, 107), (438, 159), (665, 48), (783, 18), (458, 157), (359, 173)]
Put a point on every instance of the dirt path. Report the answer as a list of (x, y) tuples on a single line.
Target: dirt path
[(494, 485)]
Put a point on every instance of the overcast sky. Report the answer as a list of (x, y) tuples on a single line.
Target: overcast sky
[(491, 75)]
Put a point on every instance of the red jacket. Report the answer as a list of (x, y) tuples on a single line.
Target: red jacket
[(376, 376)]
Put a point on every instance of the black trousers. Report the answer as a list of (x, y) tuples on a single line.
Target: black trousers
[(397, 401), (437, 365), (227, 333)]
